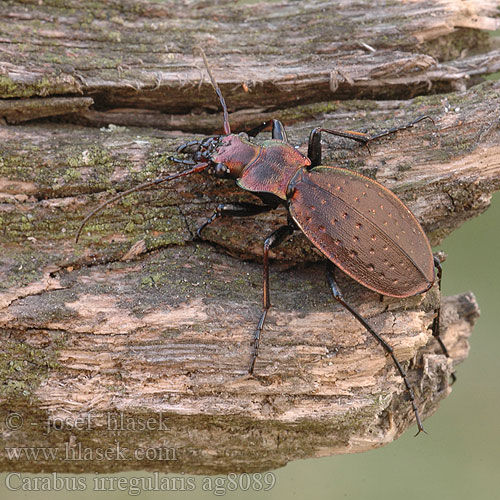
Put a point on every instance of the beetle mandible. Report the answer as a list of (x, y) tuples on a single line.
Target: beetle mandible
[(359, 225)]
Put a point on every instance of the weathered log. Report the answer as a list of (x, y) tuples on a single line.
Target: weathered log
[(140, 321), (138, 54)]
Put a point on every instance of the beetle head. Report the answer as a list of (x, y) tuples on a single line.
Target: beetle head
[(226, 155)]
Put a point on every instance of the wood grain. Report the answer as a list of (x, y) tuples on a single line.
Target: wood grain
[(138, 320)]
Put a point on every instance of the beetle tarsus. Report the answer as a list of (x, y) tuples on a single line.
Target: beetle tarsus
[(209, 221), (278, 130), (186, 145), (420, 429), (256, 340), (173, 159), (401, 127), (255, 131)]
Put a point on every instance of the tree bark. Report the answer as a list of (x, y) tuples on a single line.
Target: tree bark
[(139, 320)]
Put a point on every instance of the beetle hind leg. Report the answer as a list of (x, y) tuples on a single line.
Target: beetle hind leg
[(436, 330), (337, 294)]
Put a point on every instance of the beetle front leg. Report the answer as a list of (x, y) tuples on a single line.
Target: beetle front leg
[(278, 131), (337, 295), (235, 209), (400, 127), (272, 241), (314, 147)]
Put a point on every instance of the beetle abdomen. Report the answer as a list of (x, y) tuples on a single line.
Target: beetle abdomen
[(364, 229)]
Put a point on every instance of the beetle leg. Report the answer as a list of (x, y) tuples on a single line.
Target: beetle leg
[(235, 209), (436, 323), (183, 162), (401, 127), (278, 130), (254, 132), (314, 148), (272, 241), (186, 145), (337, 294)]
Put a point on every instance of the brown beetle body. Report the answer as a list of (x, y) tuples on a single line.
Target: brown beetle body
[(364, 229), (359, 225), (282, 162)]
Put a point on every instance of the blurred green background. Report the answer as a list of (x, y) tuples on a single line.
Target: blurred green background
[(458, 459)]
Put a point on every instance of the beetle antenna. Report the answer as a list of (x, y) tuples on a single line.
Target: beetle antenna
[(197, 168), (227, 128)]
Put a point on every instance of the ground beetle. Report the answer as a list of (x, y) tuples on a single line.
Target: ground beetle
[(359, 225)]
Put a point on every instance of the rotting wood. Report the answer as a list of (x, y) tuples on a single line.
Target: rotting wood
[(23, 110), (140, 321), (133, 55)]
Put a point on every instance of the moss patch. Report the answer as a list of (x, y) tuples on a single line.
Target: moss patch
[(24, 367)]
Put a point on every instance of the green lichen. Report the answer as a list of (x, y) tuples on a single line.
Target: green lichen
[(24, 268), (72, 175), (23, 367), (114, 36), (7, 86)]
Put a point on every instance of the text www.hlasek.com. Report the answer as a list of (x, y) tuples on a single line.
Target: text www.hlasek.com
[(75, 452)]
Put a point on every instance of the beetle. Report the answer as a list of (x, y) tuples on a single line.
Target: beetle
[(360, 226)]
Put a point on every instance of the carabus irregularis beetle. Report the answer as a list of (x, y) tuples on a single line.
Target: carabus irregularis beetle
[(359, 225)]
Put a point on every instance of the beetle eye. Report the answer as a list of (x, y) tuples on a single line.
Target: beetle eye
[(221, 170)]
